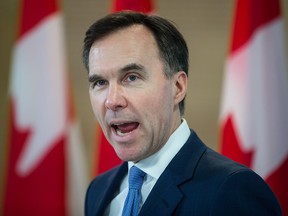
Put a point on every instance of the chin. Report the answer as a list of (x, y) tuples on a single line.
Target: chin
[(129, 158)]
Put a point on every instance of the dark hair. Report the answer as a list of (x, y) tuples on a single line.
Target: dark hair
[(172, 47)]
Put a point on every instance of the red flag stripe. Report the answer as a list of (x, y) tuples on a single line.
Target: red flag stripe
[(257, 13), (278, 182), (29, 195), (34, 12), (41, 188), (233, 150), (145, 6), (252, 126)]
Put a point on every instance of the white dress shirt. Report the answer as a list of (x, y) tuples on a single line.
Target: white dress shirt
[(153, 166)]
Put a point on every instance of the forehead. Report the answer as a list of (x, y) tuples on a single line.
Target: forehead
[(135, 44), (136, 31)]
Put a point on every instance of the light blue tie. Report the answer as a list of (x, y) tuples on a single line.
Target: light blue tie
[(133, 199)]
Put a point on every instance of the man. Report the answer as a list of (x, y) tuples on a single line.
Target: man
[(138, 68)]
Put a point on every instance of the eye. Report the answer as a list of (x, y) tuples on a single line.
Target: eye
[(131, 78), (99, 83)]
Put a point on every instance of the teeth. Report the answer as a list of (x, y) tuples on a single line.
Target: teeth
[(120, 133)]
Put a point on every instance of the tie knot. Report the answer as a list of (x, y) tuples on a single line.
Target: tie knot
[(136, 177)]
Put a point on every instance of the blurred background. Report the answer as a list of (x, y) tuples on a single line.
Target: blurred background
[(206, 26)]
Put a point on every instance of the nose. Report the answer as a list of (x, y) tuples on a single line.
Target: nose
[(115, 99)]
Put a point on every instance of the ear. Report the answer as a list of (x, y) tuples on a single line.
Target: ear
[(180, 85)]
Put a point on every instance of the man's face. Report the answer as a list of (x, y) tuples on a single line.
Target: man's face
[(133, 101)]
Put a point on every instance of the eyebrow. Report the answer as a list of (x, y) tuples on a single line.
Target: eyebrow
[(132, 66), (126, 68), (93, 78)]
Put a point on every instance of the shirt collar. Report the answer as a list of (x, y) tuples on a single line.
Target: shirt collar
[(155, 164)]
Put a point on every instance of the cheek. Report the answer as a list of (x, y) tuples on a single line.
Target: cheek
[(160, 105), (96, 105), (92, 102)]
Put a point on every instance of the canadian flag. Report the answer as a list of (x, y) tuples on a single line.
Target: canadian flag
[(45, 169), (254, 112), (107, 157)]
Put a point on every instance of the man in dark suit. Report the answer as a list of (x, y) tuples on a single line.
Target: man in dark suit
[(138, 69)]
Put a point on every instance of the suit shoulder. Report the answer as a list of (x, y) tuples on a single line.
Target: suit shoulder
[(245, 191), (220, 163), (215, 168), (235, 187), (208, 159)]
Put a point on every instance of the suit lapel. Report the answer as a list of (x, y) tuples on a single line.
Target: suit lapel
[(111, 187), (166, 194), (163, 198)]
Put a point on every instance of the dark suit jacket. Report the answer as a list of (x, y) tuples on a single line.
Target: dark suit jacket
[(198, 181)]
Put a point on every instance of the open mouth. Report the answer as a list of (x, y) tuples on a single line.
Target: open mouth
[(125, 128)]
